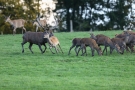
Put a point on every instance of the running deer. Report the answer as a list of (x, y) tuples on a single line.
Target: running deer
[(35, 38), (18, 23), (53, 42)]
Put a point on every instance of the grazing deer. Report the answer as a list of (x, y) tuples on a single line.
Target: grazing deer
[(92, 44), (41, 23), (129, 39), (18, 23), (53, 42), (105, 41), (121, 43)]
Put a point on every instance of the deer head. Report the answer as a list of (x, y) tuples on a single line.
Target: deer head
[(8, 18)]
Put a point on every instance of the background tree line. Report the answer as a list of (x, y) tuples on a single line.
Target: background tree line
[(85, 14)]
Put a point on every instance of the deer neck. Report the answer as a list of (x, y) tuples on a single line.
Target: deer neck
[(49, 41), (10, 21)]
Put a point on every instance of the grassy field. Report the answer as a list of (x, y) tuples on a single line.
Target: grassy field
[(27, 71)]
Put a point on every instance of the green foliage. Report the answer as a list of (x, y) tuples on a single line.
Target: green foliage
[(27, 71), (1, 23), (83, 26), (88, 10), (7, 29), (4, 27), (29, 26)]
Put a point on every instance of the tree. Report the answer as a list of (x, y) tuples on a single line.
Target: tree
[(89, 12), (118, 13)]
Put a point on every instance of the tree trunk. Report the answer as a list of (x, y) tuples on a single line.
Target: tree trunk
[(68, 20)]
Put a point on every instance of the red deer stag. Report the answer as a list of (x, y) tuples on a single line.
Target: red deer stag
[(34, 38)]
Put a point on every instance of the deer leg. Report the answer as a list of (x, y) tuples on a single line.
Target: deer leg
[(60, 48), (85, 50), (111, 50), (122, 49), (22, 46), (131, 47), (23, 29), (83, 47), (45, 48), (82, 50), (14, 31), (36, 28), (56, 49), (71, 48), (30, 45), (51, 49), (98, 52), (92, 51), (76, 49), (127, 48), (39, 45), (105, 48)]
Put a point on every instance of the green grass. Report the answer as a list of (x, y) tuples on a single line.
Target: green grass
[(27, 71)]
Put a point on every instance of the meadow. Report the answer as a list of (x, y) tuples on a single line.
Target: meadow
[(27, 71)]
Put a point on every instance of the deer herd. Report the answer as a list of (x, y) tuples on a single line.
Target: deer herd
[(120, 42)]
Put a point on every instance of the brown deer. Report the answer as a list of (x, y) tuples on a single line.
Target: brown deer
[(75, 43), (131, 40), (42, 22), (105, 41), (121, 43), (92, 44), (129, 37), (53, 42), (17, 23)]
